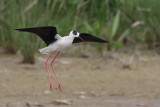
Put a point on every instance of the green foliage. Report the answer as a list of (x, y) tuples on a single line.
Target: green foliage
[(119, 43), (114, 26), (136, 21), (113, 30), (7, 39)]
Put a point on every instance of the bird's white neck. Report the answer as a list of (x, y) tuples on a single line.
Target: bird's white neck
[(71, 36)]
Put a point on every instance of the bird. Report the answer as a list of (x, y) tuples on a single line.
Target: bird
[(55, 43)]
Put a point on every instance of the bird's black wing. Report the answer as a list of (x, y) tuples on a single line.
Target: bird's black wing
[(47, 33), (84, 37)]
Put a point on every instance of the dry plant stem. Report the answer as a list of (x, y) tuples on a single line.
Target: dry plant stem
[(107, 10), (78, 11)]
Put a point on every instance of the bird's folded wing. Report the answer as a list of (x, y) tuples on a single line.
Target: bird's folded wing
[(48, 33), (84, 37)]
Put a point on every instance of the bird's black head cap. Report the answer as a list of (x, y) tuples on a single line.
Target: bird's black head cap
[(74, 32)]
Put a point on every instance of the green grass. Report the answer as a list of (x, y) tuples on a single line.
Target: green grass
[(109, 19)]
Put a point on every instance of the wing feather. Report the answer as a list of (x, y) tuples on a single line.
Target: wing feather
[(84, 37), (47, 34)]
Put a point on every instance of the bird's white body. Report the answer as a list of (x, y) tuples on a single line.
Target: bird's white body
[(60, 44)]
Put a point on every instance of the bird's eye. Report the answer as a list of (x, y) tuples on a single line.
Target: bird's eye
[(74, 32)]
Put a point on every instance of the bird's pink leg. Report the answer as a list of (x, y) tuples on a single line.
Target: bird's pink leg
[(48, 70), (55, 72)]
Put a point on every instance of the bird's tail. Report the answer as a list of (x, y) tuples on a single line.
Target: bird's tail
[(44, 51)]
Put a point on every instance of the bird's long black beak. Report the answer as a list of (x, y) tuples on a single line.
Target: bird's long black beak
[(81, 39)]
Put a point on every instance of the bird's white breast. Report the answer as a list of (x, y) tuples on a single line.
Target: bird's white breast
[(60, 44), (64, 42)]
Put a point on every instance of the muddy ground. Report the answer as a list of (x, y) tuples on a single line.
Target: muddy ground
[(114, 80)]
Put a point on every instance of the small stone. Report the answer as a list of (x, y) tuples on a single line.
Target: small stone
[(82, 97), (46, 92), (62, 102), (80, 93), (30, 104), (65, 62), (126, 67)]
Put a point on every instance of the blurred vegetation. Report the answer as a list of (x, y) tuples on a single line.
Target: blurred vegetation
[(128, 22)]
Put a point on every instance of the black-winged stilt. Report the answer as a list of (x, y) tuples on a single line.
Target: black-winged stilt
[(55, 42)]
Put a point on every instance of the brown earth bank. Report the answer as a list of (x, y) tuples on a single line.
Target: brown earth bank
[(114, 80)]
